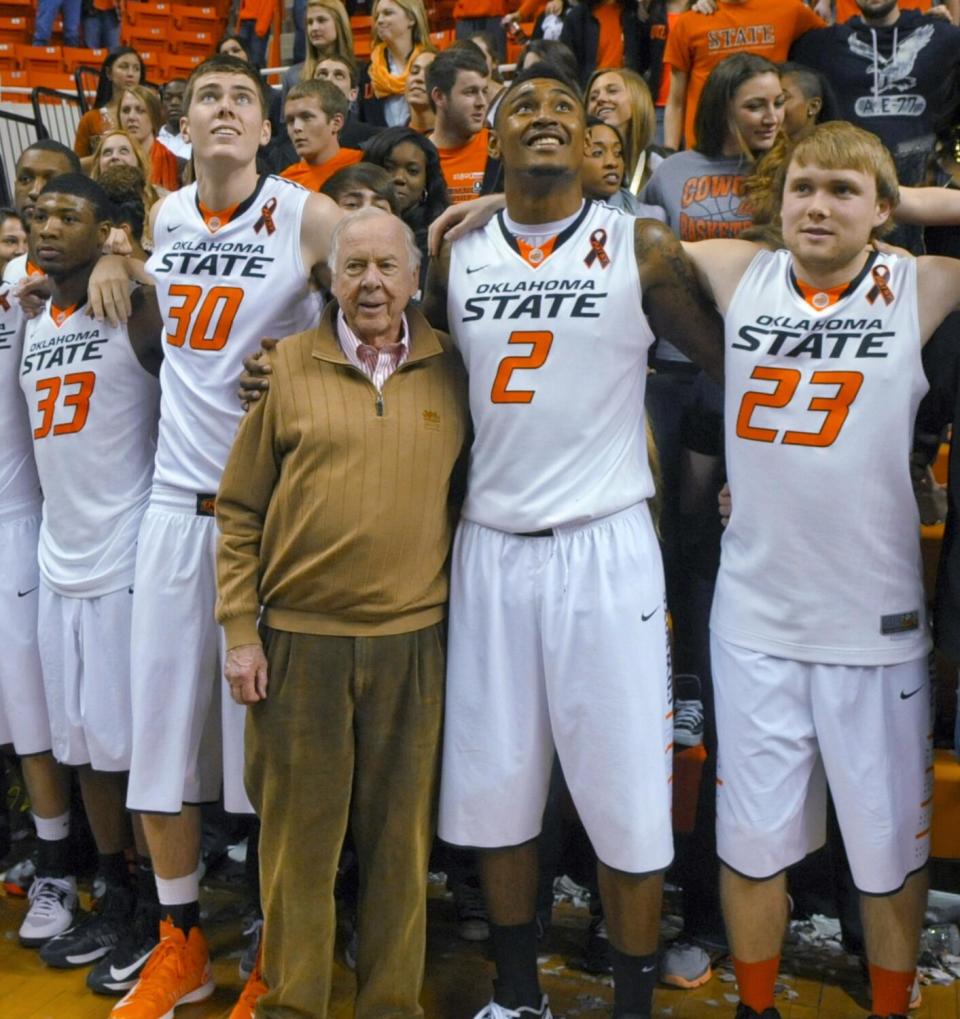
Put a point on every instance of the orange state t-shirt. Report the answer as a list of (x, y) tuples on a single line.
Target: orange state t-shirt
[(463, 168), (698, 42), (610, 45), (314, 177), (847, 9)]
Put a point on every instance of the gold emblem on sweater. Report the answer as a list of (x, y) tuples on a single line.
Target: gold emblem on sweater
[(431, 420)]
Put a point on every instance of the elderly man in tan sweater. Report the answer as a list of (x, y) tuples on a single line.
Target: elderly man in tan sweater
[(334, 517)]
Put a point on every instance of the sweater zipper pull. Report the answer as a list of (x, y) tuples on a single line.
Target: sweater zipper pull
[(379, 405)]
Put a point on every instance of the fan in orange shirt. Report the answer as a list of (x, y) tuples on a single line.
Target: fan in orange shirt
[(457, 86), (314, 114), (698, 42)]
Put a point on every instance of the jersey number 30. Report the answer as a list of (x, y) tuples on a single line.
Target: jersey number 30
[(541, 342), (836, 405), (203, 320)]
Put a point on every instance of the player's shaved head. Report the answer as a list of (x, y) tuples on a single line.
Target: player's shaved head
[(81, 186), (538, 71)]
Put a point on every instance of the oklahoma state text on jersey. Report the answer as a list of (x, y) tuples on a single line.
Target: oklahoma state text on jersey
[(821, 560), (222, 287), (556, 356)]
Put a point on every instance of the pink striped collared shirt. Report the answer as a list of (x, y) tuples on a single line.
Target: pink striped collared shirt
[(378, 364)]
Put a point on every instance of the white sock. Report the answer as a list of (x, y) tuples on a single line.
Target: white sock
[(178, 891), (52, 829)]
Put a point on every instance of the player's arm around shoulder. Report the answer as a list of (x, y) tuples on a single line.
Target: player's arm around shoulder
[(109, 287), (145, 328), (320, 215), (938, 291), (434, 305), (676, 305)]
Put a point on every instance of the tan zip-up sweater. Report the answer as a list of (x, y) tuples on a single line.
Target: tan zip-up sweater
[(333, 508)]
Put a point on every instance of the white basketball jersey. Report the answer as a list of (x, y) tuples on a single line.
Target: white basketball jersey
[(220, 293), (821, 559), (556, 356), (93, 410), (19, 485)]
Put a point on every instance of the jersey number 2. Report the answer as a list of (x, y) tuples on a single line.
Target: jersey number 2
[(206, 322), (835, 406), (79, 401), (541, 342)]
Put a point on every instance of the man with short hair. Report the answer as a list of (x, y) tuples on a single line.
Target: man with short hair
[(457, 85), (819, 641), (170, 134), (23, 711), (557, 635), (314, 113), (343, 72), (232, 258), (93, 401), (893, 72), (344, 672)]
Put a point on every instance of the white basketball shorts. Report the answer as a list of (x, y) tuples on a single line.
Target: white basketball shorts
[(23, 706), (560, 641), (788, 728), (85, 654), (186, 736)]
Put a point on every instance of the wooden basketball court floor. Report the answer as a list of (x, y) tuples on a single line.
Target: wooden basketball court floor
[(816, 984)]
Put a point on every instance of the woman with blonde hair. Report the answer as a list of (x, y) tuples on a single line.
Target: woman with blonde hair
[(400, 31), (621, 98), (140, 114), (328, 34), (119, 148)]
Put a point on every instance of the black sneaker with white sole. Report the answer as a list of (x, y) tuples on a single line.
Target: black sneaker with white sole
[(118, 971), (95, 934)]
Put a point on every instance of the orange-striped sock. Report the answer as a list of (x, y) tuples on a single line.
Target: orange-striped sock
[(891, 990), (757, 981)]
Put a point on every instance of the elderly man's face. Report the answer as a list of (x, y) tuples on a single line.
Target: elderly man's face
[(374, 280)]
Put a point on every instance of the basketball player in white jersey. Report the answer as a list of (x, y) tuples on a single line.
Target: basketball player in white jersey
[(557, 632), (22, 700), (93, 400), (819, 638), (232, 262)]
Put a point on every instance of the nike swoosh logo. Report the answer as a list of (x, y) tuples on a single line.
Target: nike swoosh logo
[(649, 615), (170, 229), (128, 971), (648, 969), (907, 696), (470, 271), (23, 594)]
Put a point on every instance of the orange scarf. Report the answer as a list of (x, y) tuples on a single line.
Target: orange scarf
[(385, 82)]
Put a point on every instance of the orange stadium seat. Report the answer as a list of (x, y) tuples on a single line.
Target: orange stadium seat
[(41, 58), (443, 38), (8, 57), (59, 80), (178, 65), (15, 30), (77, 56), (146, 37), (152, 61), (14, 79), (198, 19), (191, 41), (148, 15)]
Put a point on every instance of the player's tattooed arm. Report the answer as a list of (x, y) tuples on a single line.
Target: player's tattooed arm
[(674, 302), (145, 329), (434, 306)]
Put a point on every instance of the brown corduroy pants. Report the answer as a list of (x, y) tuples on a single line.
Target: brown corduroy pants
[(349, 734)]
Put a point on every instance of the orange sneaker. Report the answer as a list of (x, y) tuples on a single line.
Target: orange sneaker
[(177, 973), (253, 990)]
